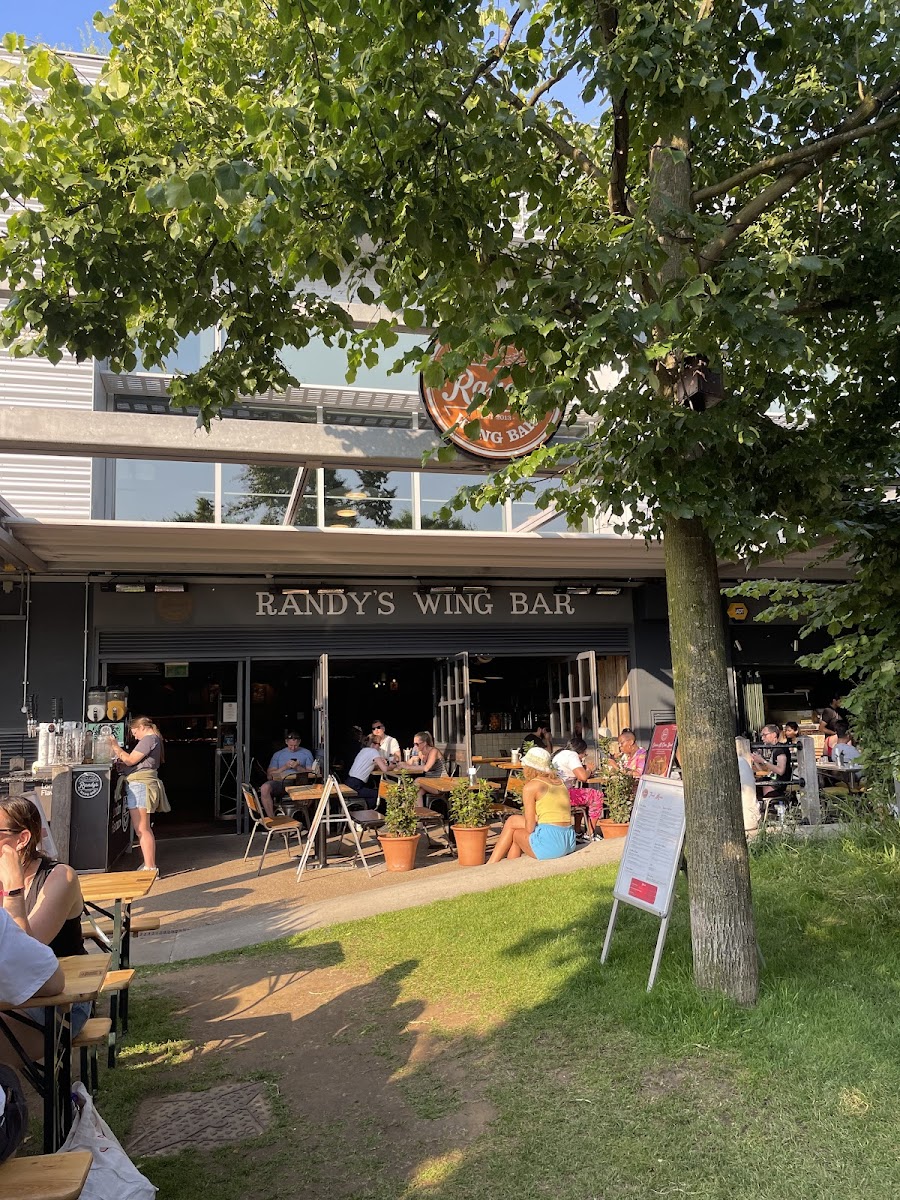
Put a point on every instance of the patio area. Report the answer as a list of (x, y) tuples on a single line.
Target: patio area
[(209, 900)]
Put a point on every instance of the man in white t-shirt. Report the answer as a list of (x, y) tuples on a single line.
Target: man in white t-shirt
[(389, 746)]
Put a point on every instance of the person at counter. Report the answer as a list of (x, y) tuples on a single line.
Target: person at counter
[(41, 895), (139, 775), (285, 765)]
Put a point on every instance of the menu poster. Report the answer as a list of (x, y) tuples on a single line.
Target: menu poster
[(649, 866), (662, 750)]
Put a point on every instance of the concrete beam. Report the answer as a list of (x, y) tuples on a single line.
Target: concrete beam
[(25, 430)]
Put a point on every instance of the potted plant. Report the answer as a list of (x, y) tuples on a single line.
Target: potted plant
[(400, 836), (470, 811), (618, 793)]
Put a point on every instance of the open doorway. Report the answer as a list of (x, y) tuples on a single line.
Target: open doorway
[(185, 700)]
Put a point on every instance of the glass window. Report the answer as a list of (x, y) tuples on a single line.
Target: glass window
[(524, 509), (327, 365), (164, 491), (436, 491), (368, 499), (258, 495), (193, 351)]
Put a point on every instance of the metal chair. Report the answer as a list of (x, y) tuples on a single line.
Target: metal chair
[(285, 826)]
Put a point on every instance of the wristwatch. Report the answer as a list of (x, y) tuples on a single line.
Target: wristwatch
[(14, 891)]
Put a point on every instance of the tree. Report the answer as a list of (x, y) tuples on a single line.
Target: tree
[(719, 190)]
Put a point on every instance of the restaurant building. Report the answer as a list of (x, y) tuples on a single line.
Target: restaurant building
[(295, 569)]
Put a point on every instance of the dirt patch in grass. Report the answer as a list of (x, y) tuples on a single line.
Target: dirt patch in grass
[(381, 1084)]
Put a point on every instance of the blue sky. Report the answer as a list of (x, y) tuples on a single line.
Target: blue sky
[(59, 22)]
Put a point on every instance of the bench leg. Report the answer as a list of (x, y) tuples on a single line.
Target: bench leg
[(114, 1019)]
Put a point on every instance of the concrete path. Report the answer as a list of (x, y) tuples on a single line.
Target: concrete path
[(251, 928)]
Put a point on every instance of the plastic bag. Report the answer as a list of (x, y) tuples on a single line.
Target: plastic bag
[(113, 1176)]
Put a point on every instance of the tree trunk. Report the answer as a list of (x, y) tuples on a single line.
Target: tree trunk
[(722, 929)]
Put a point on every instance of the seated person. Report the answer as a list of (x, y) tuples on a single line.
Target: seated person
[(42, 896), (772, 765), (540, 737), (544, 830), (791, 733), (844, 754), (389, 746), (27, 968), (285, 766), (627, 755), (368, 758), (426, 760), (570, 767)]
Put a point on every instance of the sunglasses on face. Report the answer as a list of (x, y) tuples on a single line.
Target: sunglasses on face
[(375, 728)]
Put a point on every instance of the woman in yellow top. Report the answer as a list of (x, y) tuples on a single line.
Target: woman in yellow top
[(544, 830)]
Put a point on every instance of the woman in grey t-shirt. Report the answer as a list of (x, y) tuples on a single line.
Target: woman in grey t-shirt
[(143, 789)]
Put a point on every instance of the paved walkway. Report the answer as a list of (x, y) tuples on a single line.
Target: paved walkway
[(217, 902)]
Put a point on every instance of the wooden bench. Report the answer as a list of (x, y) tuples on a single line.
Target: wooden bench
[(94, 1034), (45, 1176), (104, 925), (115, 983)]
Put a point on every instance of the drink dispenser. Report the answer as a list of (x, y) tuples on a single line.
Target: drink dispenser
[(116, 704), (96, 704)]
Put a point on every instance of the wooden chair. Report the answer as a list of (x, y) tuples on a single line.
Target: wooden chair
[(94, 1034), (285, 826), (45, 1176)]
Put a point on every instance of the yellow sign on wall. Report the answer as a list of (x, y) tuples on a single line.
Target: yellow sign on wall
[(738, 611)]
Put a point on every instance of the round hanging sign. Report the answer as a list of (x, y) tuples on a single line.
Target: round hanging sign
[(501, 435)]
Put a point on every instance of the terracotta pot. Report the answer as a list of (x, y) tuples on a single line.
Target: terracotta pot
[(471, 844), (612, 829), (399, 852)]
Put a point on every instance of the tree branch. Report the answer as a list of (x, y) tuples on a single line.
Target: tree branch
[(545, 87), (714, 250), (563, 145), (824, 146), (494, 57)]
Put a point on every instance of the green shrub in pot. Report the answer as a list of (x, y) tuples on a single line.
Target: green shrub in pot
[(470, 807), (400, 812)]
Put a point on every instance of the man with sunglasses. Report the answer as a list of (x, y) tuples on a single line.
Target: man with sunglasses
[(389, 746)]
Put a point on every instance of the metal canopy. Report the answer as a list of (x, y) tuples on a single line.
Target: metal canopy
[(164, 548)]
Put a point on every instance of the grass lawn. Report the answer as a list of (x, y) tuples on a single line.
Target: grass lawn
[(595, 1090)]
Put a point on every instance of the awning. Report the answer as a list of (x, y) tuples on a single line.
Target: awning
[(173, 548)]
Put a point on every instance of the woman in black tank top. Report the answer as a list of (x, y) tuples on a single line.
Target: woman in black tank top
[(50, 903)]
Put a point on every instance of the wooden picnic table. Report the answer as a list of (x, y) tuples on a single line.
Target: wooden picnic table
[(112, 894), (83, 976), (45, 1176), (309, 794)]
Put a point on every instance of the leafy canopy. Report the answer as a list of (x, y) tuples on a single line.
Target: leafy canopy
[(607, 188)]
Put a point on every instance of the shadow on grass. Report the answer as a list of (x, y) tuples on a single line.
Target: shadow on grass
[(476, 1048)]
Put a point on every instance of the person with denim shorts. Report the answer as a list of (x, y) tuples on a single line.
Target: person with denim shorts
[(544, 830)]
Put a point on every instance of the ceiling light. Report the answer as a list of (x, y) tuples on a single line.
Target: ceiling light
[(123, 587), (295, 591), (473, 680), (355, 495), (331, 591), (474, 589), (572, 589), (170, 587), (345, 512), (607, 591), (337, 525)]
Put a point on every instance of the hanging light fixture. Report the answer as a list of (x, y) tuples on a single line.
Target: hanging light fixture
[(346, 511), (355, 496)]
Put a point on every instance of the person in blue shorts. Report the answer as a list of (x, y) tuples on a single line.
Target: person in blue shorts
[(544, 830)]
